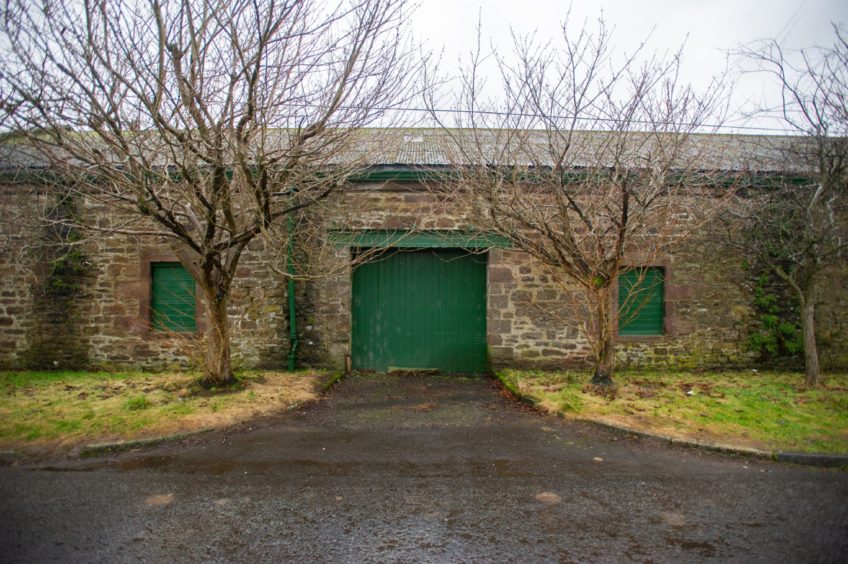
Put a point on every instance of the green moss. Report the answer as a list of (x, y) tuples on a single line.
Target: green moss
[(54, 338), (181, 408), (775, 333), (19, 379), (331, 380), (510, 379)]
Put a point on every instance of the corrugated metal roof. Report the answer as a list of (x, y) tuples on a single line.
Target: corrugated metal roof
[(439, 147), (435, 147)]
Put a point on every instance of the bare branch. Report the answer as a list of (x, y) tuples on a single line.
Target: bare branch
[(213, 120)]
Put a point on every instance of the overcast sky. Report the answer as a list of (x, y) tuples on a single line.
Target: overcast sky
[(709, 28)]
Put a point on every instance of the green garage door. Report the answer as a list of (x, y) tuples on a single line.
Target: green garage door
[(420, 309)]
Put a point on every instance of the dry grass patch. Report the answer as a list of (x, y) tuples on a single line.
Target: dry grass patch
[(68, 408), (766, 410)]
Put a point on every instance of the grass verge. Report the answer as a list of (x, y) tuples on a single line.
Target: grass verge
[(763, 410), (64, 409)]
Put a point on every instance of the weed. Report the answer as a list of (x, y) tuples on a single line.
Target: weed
[(570, 402), (136, 403)]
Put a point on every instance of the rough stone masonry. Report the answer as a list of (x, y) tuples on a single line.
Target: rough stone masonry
[(533, 317)]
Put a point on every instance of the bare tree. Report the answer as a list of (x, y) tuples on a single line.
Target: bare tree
[(203, 123), (800, 230), (586, 161)]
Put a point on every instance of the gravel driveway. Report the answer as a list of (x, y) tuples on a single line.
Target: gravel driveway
[(433, 469)]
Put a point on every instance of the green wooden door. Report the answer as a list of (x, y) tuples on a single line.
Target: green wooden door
[(420, 309)]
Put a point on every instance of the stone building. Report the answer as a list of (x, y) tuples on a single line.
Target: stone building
[(436, 295)]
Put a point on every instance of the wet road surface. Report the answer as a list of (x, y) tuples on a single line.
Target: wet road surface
[(432, 469)]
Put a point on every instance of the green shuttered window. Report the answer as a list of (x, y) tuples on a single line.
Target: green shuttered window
[(172, 303), (640, 302)]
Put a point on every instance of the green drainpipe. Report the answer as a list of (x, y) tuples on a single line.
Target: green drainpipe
[(292, 307)]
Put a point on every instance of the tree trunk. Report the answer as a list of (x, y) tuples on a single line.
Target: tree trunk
[(218, 371), (811, 353), (605, 344)]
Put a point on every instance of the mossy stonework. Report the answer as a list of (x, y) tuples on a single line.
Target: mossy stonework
[(110, 326), (18, 273), (53, 337), (533, 319)]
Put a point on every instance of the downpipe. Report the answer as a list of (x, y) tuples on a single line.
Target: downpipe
[(293, 340)]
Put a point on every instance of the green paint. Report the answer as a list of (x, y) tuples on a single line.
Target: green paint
[(640, 302), (172, 300), (419, 239), (420, 309), (293, 340), (404, 174), (435, 173)]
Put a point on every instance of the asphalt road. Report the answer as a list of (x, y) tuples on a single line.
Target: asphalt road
[(400, 469)]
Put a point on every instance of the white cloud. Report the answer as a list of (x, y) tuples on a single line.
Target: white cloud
[(709, 28)]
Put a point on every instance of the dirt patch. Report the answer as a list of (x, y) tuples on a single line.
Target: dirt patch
[(609, 393), (548, 498), (159, 499), (645, 392), (423, 407)]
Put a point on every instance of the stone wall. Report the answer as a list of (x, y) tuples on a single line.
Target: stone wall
[(707, 308), (119, 327), (18, 275), (534, 318), (111, 321), (832, 319)]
